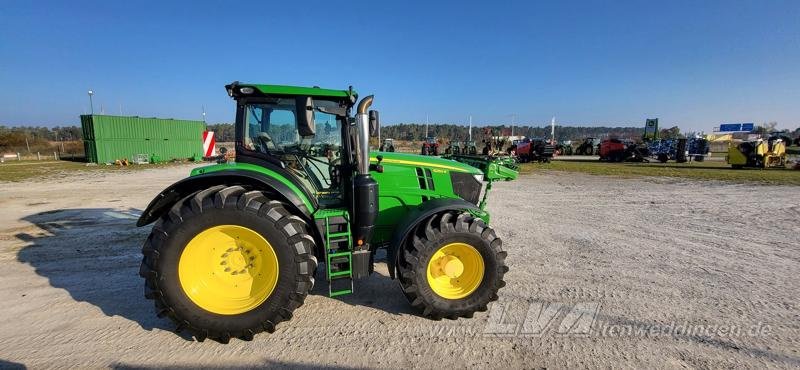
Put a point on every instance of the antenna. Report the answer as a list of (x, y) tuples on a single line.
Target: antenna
[(470, 127), (426, 126)]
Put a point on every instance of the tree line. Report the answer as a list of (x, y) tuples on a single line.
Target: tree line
[(21, 137)]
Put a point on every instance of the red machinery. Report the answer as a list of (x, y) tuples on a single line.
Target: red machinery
[(430, 146)]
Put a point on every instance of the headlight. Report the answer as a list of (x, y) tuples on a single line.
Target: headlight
[(467, 186), (478, 177), (246, 90)]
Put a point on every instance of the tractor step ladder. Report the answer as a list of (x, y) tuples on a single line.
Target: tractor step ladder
[(338, 250)]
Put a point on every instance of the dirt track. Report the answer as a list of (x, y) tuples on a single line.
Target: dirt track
[(632, 273)]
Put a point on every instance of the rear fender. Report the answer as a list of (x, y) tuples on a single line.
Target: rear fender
[(417, 216), (190, 185)]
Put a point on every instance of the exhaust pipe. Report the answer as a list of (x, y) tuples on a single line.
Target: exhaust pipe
[(365, 191), (362, 123)]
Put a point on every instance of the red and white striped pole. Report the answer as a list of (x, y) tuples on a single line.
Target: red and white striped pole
[(209, 144)]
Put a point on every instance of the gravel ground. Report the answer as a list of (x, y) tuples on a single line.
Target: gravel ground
[(641, 273)]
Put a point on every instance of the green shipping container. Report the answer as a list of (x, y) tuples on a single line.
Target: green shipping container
[(109, 138)]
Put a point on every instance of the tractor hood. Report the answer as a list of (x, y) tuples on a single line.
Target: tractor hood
[(415, 160)]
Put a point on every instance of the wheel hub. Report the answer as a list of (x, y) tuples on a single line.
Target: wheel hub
[(237, 261), (451, 266), (455, 270)]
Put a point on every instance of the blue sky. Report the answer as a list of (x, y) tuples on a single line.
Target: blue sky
[(691, 63)]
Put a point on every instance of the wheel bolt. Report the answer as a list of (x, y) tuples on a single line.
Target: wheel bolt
[(223, 263), (227, 269)]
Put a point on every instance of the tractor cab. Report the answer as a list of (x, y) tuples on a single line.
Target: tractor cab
[(303, 131)]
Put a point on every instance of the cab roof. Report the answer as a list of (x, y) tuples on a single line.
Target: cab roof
[(234, 89)]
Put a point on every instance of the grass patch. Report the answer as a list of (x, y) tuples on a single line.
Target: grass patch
[(695, 170), (14, 171)]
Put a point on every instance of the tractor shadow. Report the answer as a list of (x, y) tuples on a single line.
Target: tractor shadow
[(93, 254), (377, 291)]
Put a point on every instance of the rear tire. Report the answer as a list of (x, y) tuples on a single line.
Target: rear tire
[(175, 236), (434, 244)]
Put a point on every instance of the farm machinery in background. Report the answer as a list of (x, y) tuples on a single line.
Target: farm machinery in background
[(589, 146), (532, 150), (679, 150), (564, 148), (462, 147), (615, 150), (758, 153), (430, 146), (387, 145)]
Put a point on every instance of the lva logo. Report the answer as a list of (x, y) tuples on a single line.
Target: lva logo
[(541, 317)]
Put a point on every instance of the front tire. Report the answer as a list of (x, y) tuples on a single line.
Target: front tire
[(451, 266), (228, 263)]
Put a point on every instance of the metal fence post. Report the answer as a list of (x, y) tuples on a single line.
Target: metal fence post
[(18, 157), (38, 156)]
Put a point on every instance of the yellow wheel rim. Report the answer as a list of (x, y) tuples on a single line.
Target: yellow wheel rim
[(228, 269), (455, 270)]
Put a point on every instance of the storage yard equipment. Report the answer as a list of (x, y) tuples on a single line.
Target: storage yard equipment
[(430, 146), (462, 147), (454, 148), (759, 153), (589, 146), (565, 147), (235, 246), (680, 150), (615, 150), (111, 138), (387, 145), (532, 150)]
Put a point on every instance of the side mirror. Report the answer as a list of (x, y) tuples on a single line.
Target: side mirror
[(374, 122), (305, 116)]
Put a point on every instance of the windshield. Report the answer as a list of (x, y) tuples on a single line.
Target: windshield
[(272, 127)]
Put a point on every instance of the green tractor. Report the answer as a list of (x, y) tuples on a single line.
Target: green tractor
[(454, 148), (235, 246)]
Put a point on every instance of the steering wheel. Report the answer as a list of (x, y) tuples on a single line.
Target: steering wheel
[(265, 140)]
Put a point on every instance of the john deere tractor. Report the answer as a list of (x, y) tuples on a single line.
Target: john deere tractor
[(235, 246)]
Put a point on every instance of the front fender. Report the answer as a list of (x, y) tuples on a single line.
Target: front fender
[(181, 189), (415, 217)]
